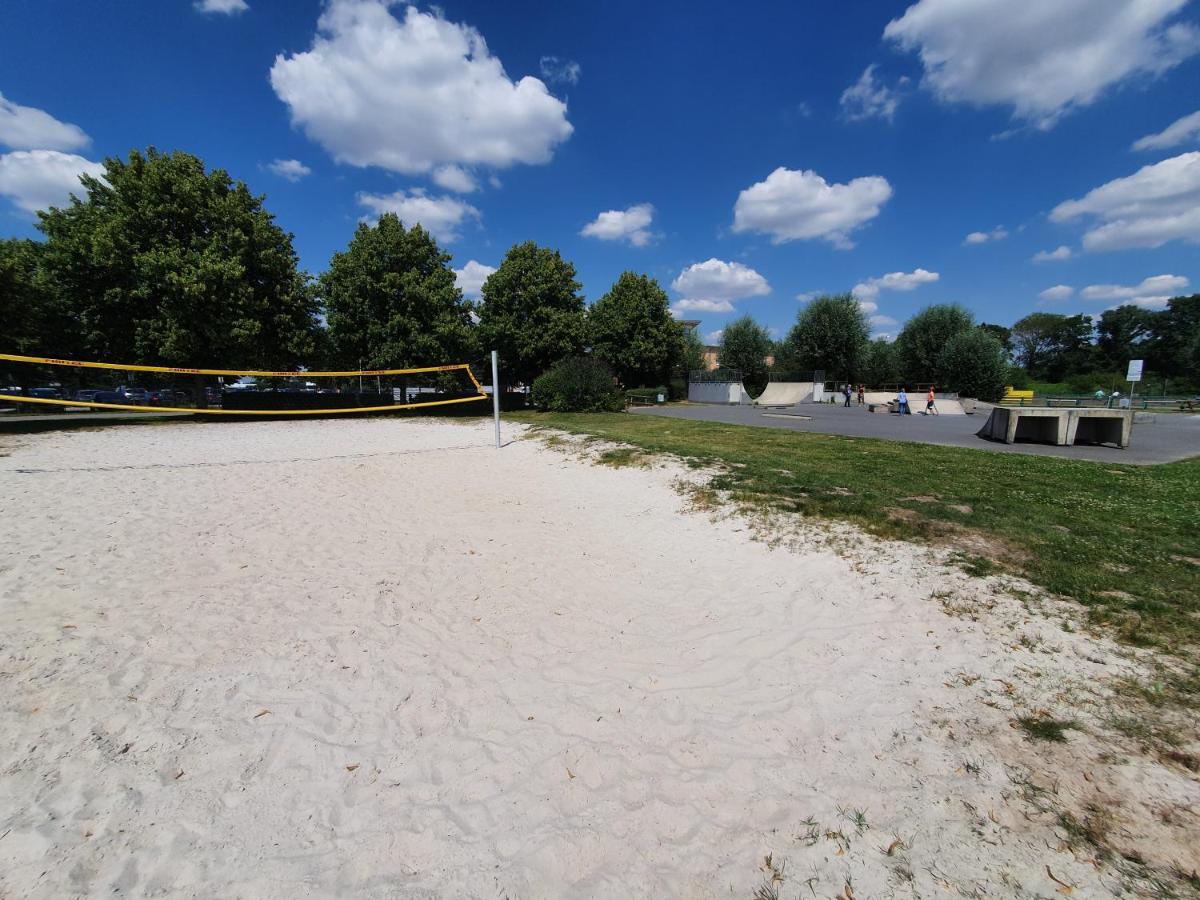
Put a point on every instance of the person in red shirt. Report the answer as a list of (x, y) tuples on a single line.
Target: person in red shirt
[(930, 407)]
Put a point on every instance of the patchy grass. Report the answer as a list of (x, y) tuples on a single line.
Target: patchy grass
[(1045, 728), (1120, 539)]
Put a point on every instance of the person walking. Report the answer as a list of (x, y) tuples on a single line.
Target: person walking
[(930, 407), (846, 394), (862, 395), (902, 403)]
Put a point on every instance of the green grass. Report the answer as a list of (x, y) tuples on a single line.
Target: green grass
[(1040, 728), (1123, 540)]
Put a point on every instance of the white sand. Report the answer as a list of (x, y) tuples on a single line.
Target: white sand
[(380, 658)]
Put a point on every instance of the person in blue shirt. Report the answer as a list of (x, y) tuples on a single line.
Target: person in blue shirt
[(903, 403)]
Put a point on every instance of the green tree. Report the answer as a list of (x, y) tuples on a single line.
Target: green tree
[(745, 345), (165, 263), (1049, 346), (830, 333), (881, 364), (631, 328), (1000, 333), (391, 301), (1176, 331), (974, 363), (23, 301), (925, 335), (1121, 334), (532, 312), (693, 351)]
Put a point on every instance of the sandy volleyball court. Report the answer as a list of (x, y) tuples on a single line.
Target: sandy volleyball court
[(380, 658)]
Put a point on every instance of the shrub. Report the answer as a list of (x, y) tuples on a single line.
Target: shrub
[(577, 384)]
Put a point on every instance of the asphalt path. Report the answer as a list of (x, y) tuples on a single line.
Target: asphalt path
[(1159, 438)]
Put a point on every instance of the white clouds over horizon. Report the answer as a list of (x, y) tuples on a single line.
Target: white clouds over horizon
[(1042, 59), (414, 94), (291, 169), (1057, 293), (1151, 293), (868, 98), (868, 290), (559, 71), (440, 216), (1181, 131), (801, 205), (222, 7), (470, 278), (632, 225), (38, 179), (998, 233), (1157, 204), (29, 128), (1057, 255), (713, 285)]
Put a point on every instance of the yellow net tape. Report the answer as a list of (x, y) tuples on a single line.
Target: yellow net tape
[(50, 361)]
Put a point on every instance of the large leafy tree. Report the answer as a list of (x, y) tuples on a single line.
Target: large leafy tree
[(532, 312), (1050, 346), (166, 263), (693, 352), (391, 301), (881, 364), (925, 335), (831, 334), (975, 364), (1121, 334), (632, 329), (1176, 332), (745, 345)]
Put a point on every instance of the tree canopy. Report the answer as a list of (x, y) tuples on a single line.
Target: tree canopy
[(830, 333), (165, 263), (745, 345), (974, 363), (1049, 345), (881, 363), (925, 335), (532, 312), (631, 328), (391, 301)]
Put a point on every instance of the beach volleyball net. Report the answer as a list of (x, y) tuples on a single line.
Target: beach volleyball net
[(56, 385)]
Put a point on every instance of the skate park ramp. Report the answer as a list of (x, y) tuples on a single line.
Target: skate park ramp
[(946, 405), (729, 393), (784, 393)]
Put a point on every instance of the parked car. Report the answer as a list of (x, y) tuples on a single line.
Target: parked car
[(162, 397), (46, 393), (87, 395), (136, 396)]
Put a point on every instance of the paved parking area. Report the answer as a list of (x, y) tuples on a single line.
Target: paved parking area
[(1165, 437)]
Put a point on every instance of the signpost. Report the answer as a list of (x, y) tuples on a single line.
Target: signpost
[(1133, 376)]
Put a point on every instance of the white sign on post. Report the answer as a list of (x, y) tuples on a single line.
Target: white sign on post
[(1135, 370)]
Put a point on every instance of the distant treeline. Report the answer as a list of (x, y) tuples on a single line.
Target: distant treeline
[(162, 262)]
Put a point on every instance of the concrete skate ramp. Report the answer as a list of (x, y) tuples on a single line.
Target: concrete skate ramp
[(722, 392), (784, 393), (946, 406)]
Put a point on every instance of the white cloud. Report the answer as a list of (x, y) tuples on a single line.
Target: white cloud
[(801, 205), (631, 225), (808, 296), (881, 321), (440, 216), (1041, 57), (710, 286), (39, 179), (1152, 293), (1156, 204), (560, 71), (1063, 252), (714, 337), (869, 99), (414, 94), (868, 306), (454, 178), (291, 169), (998, 233), (1178, 132), (712, 306), (227, 7), (470, 278), (27, 128), (1058, 292), (894, 281)]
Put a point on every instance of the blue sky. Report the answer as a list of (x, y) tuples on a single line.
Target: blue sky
[(745, 156)]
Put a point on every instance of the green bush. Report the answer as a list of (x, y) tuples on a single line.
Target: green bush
[(972, 363), (577, 384)]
